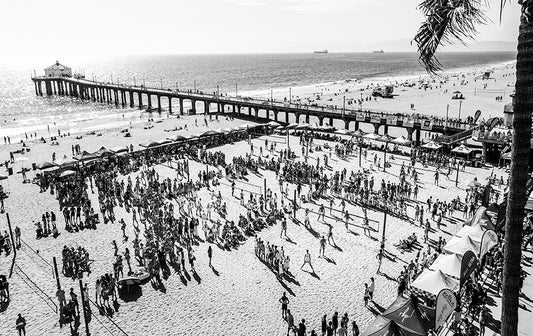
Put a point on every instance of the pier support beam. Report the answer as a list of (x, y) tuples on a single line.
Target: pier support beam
[(286, 117), (347, 124), (417, 135), (307, 118), (159, 103), (132, 102), (410, 132), (181, 105), (193, 106), (330, 121), (356, 125), (321, 121), (386, 131), (140, 96), (169, 105)]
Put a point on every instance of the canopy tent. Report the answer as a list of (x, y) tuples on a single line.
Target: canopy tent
[(401, 140), (475, 232), (303, 126), (460, 245), (83, 156), (67, 173), (45, 165), (449, 264), (431, 145), (273, 124), (207, 133), (65, 161), (385, 138), (359, 133), (432, 282), (103, 152), (218, 131), (247, 126), (371, 136), (291, 126), (408, 316), (164, 141), (507, 156), (149, 144), (119, 149), (176, 137), (343, 132), (482, 218), (382, 327), (462, 150)]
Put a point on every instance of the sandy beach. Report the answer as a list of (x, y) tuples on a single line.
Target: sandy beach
[(241, 296)]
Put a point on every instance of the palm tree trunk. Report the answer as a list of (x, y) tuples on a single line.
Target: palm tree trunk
[(523, 107)]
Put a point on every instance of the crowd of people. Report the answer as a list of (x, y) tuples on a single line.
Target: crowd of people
[(75, 262)]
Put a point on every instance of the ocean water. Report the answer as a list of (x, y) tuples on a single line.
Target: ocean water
[(22, 111)]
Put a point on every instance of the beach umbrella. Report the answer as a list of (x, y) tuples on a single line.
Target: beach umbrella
[(401, 140), (457, 92), (45, 165), (129, 281), (359, 133), (371, 136), (462, 150), (67, 173), (343, 132)]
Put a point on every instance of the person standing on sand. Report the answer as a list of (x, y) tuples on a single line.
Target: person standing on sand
[(371, 289), (21, 325), (210, 254), (366, 295), (284, 304), (307, 260)]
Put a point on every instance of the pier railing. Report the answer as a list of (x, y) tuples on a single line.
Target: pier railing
[(360, 113)]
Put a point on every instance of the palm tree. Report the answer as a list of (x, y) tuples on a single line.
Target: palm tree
[(449, 21)]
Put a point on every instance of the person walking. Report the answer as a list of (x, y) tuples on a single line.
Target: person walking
[(21, 325), (302, 329), (322, 250), (284, 300)]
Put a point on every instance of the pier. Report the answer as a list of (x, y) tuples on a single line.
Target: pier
[(143, 97)]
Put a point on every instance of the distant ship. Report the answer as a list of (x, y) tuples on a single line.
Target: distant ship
[(325, 51), (378, 51)]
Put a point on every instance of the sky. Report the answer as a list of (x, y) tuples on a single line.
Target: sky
[(122, 27)]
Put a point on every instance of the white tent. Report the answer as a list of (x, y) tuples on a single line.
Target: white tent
[(401, 140), (462, 150), (449, 264), (431, 145), (475, 232), (371, 136), (343, 132), (460, 245), (433, 282)]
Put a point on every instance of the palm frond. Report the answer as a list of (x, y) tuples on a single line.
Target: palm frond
[(447, 22)]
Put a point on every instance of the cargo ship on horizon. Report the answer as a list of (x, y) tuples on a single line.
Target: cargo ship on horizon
[(325, 51)]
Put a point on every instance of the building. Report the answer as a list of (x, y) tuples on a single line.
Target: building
[(58, 70)]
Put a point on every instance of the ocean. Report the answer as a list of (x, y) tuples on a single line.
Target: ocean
[(254, 74)]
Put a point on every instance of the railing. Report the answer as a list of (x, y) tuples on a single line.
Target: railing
[(369, 113)]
